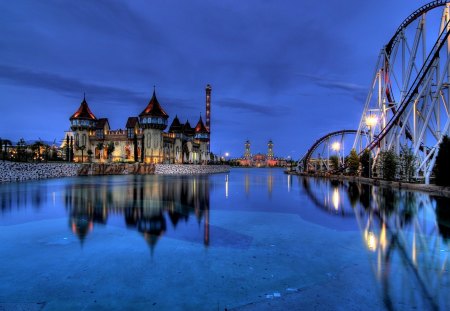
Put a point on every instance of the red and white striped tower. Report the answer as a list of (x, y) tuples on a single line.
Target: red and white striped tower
[(208, 107), (208, 114)]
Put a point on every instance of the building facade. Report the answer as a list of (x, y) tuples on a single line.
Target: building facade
[(143, 140), (260, 159)]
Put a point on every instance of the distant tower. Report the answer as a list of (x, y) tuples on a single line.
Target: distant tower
[(247, 154), (208, 107), (270, 150)]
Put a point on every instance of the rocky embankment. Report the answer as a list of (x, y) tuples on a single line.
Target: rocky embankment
[(185, 169), (116, 169), (17, 171)]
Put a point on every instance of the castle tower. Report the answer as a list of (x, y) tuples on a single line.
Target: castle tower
[(153, 120), (202, 135), (83, 123), (270, 155), (247, 154)]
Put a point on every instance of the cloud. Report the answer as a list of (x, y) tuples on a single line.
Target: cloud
[(237, 104), (73, 88), (358, 92)]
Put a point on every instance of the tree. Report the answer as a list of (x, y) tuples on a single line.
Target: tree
[(442, 166), (110, 149), (389, 164), (36, 147), (366, 162), (334, 161), (100, 147), (407, 162), (89, 152), (353, 162), (78, 147), (21, 150)]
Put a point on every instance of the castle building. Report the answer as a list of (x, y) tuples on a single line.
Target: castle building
[(260, 159), (142, 140)]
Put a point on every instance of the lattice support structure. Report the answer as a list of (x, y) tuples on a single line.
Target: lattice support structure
[(409, 99)]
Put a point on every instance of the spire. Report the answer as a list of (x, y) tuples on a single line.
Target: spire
[(83, 112)]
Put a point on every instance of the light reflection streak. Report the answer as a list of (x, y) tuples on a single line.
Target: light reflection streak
[(401, 238), (226, 186)]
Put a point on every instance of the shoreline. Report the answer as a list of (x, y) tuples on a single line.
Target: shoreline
[(23, 171), (431, 189)]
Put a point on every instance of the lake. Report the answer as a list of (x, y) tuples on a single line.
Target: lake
[(252, 239)]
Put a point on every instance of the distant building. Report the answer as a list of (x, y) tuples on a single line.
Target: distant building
[(260, 159), (142, 140)]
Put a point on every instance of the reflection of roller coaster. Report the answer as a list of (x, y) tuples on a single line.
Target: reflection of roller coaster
[(408, 103), (406, 234)]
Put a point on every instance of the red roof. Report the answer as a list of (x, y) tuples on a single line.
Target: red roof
[(83, 112), (154, 109), (200, 127)]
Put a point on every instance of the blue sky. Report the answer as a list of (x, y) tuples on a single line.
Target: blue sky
[(290, 71)]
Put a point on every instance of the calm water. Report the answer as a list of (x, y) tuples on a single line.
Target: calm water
[(220, 241)]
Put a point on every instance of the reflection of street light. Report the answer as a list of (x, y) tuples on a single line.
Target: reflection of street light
[(371, 121)]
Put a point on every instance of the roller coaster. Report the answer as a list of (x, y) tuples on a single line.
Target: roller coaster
[(408, 103)]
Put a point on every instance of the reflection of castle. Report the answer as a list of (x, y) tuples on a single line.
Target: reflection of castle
[(260, 159), (143, 140), (144, 205)]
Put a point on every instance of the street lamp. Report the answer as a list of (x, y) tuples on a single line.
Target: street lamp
[(336, 146), (371, 121)]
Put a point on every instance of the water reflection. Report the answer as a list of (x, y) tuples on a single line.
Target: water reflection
[(16, 196), (143, 205), (406, 233)]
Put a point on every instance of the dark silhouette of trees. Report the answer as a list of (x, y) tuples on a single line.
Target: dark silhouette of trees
[(353, 162), (389, 164), (442, 165), (365, 161)]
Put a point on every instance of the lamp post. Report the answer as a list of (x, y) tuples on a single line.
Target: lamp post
[(371, 121)]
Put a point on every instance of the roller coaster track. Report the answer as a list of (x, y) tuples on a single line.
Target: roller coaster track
[(305, 159), (413, 92), (412, 17), (418, 75)]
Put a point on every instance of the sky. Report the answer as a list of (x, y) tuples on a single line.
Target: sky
[(290, 71)]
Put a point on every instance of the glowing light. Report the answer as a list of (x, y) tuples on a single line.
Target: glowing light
[(371, 120), (335, 198), (371, 240), (336, 146), (226, 186), (227, 154)]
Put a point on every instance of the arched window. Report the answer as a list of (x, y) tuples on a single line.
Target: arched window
[(83, 140), (77, 139)]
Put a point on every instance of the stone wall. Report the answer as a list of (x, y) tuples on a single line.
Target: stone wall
[(185, 169), (116, 169), (17, 171)]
